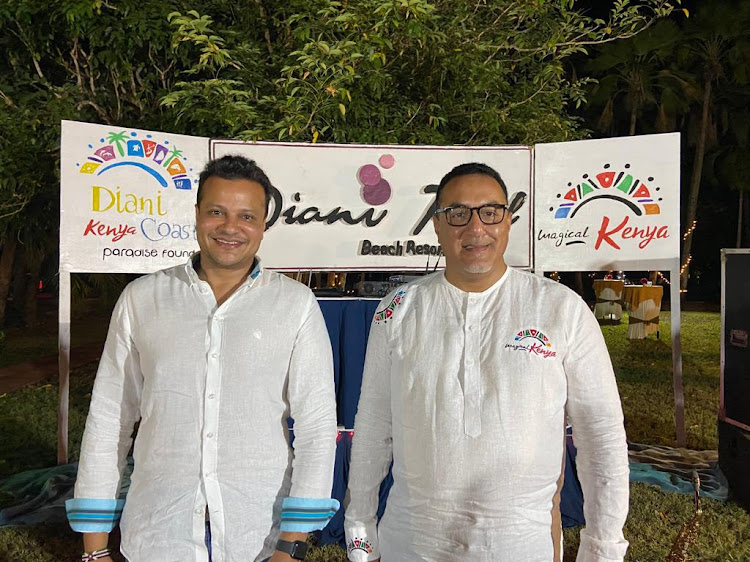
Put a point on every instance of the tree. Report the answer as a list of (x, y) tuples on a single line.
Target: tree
[(385, 71), (74, 59), (688, 75), (717, 48), (636, 76)]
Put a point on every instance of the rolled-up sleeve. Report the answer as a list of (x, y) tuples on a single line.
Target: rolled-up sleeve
[(312, 405), (114, 410)]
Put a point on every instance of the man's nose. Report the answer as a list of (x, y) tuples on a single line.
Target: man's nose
[(475, 223), (230, 222)]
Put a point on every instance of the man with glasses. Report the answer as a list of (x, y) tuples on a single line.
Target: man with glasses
[(466, 389)]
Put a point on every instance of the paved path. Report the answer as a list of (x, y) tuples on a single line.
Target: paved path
[(17, 376)]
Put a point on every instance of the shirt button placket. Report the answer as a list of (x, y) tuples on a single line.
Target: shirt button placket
[(211, 411), (472, 336)]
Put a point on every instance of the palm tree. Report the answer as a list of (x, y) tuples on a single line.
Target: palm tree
[(173, 154), (118, 139), (727, 165), (635, 74)]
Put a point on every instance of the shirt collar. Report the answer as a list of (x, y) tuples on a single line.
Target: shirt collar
[(487, 292), (192, 273)]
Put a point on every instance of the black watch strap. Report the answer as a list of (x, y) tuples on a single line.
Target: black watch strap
[(296, 549)]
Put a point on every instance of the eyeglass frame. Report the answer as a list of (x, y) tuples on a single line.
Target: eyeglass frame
[(495, 206)]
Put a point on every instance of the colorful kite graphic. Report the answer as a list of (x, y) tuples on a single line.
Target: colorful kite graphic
[(534, 334), (160, 160), (620, 186)]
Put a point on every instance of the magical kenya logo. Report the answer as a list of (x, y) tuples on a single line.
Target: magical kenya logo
[(360, 544), (638, 195), (532, 341)]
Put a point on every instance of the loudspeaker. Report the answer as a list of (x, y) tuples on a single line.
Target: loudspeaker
[(734, 460), (734, 402)]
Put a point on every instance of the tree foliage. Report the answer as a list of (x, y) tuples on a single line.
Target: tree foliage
[(392, 71), (71, 59)]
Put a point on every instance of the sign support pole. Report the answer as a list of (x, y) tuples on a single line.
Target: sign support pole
[(679, 393), (63, 366)]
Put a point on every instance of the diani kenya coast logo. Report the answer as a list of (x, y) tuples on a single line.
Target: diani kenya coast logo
[(165, 162), (616, 190), (121, 205), (532, 341)]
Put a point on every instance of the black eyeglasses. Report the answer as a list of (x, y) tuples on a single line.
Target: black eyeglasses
[(460, 215)]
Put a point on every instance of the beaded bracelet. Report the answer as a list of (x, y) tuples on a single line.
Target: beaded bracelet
[(96, 555)]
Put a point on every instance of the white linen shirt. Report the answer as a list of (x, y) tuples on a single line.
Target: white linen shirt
[(468, 394), (213, 387)]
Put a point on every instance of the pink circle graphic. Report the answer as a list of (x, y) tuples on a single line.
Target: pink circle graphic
[(387, 161), (369, 175), (377, 194)]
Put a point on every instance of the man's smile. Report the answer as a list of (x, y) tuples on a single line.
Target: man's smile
[(228, 243)]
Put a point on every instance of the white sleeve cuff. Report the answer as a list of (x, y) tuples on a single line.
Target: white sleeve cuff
[(595, 550), (362, 542)]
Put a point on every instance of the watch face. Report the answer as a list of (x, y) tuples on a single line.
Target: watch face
[(296, 549), (300, 550)]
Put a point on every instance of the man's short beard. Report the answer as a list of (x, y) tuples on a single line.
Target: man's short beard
[(478, 268)]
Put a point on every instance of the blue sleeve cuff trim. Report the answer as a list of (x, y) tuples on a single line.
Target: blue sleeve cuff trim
[(302, 515), (88, 515)]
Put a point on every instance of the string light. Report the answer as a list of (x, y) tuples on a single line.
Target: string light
[(690, 230), (662, 278), (686, 264)]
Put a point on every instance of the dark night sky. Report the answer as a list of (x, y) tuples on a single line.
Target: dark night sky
[(601, 8)]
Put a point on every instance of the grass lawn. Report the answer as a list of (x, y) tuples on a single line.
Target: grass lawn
[(644, 377), (22, 345), (28, 418)]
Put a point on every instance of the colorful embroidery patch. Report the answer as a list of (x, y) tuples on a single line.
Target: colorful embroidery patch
[(360, 544), (385, 314), (536, 334), (537, 343)]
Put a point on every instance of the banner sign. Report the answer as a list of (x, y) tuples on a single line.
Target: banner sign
[(609, 204), (127, 198), (370, 207)]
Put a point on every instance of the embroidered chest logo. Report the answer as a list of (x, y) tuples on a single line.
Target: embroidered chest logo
[(360, 544), (532, 341), (385, 314)]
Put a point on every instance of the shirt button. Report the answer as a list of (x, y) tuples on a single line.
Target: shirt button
[(472, 328), (198, 511), (209, 435), (214, 355), (469, 362)]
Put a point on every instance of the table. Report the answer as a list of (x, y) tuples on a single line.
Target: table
[(643, 303), (608, 299)]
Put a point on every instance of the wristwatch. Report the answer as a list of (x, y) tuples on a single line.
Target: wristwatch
[(296, 549)]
